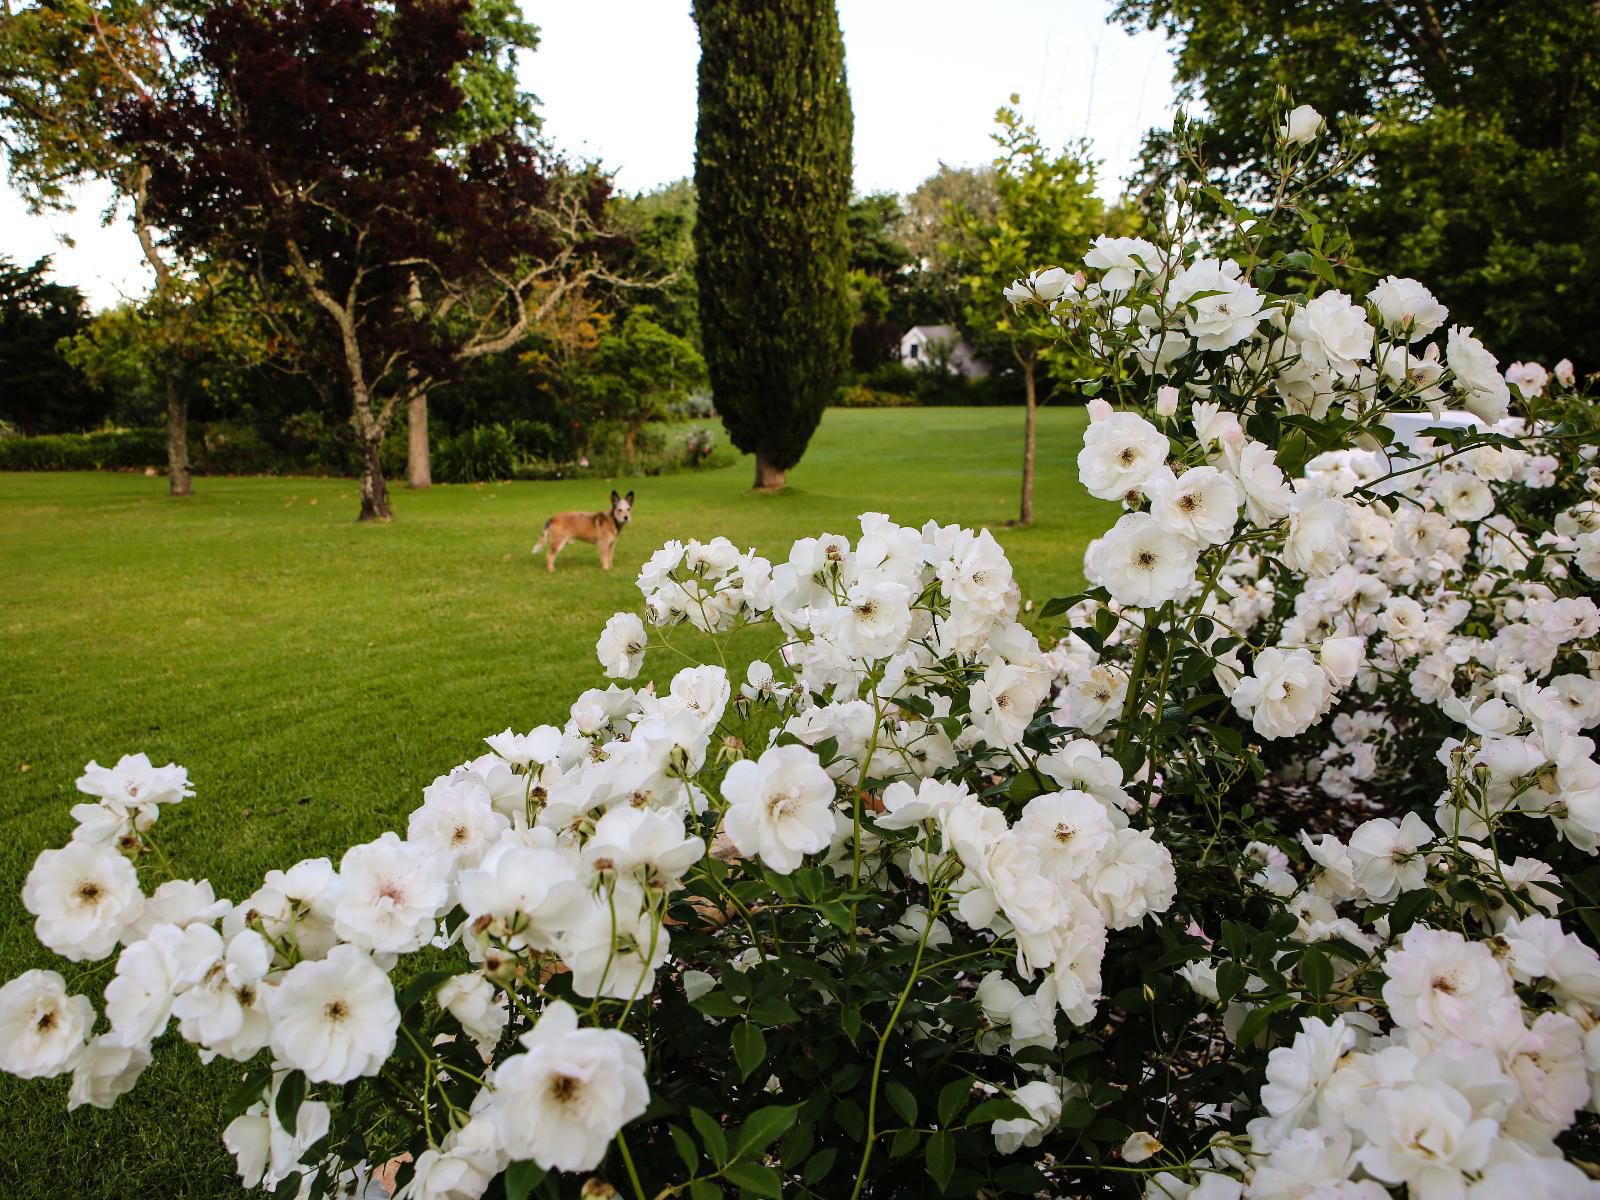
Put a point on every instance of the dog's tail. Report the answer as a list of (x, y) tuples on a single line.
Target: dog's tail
[(544, 535)]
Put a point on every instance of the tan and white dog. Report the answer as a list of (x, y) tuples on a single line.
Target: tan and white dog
[(600, 528)]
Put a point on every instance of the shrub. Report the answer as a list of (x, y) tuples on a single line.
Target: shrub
[(476, 456), (1271, 877), (862, 397)]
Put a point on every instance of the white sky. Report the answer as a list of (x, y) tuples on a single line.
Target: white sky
[(616, 81)]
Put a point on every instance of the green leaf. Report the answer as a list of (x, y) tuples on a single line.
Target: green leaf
[(836, 914), (711, 1135), (247, 1093), (1230, 979), (1076, 1113), (749, 1048), (953, 1098), (765, 1126), (1001, 1108), (903, 1101), (819, 1165), (905, 1141), (1316, 971), (942, 1158), (704, 1189), (422, 986), (522, 1178), (687, 1150), (773, 1010), (291, 1094), (756, 1179), (850, 1021), (717, 1003)]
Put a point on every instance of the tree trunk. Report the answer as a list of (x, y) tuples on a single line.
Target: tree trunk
[(1025, 517), (419, 466), (768, 477), (178, 480), (374, 490), (630, 440)]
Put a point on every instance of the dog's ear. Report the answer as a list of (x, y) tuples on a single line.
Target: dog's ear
[(630, 497), (614, 499)]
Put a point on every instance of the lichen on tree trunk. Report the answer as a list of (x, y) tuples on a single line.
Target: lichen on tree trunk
[(419, 463), (178, 479), (374, 488)]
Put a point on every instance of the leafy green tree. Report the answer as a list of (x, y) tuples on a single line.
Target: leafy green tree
[(637, 372), (1481, 166), (1045, 214), (655, 232), (66, 67), (41, 391), (772, 167), (942, 249)]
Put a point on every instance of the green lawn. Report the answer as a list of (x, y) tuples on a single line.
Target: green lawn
[(313, 675)]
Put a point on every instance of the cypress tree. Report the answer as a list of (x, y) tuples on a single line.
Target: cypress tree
[(772, 168)]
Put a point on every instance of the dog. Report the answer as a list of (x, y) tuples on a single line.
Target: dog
[(601, 528)]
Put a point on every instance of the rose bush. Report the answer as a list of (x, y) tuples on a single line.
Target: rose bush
[(1271, 874)]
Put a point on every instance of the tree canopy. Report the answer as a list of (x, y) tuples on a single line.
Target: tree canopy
[(1481, 167)]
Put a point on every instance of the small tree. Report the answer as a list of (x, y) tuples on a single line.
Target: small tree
[(65, 67), (772, 167), (324, 145), (637, 372), (1046, 212)]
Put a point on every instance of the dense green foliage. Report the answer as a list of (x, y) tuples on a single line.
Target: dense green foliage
[(1481, 164), (772, 169), (344, 687), (40, 392)]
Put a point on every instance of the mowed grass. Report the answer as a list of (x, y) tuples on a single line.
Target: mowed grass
[(314, 675)]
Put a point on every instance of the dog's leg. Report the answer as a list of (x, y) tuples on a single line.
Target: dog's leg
[(553, 548), (605, 554)]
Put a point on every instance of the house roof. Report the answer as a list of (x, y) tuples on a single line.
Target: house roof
[(933, 331)]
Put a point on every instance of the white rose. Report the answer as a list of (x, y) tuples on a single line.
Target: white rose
[(621, 646), (1302, 126)]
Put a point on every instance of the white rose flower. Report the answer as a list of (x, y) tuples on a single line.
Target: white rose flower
[(621, 646), (616, 946), (1341, 658), (1124, 260), (390, 893), (1285, 695), (1318, 539), (104, 1072), (1384, 856), (151, 973), (472, 1000), (1529, 377), (1267, 494), (780, 807), (541, 745), (42, 1029), (1477, 375), (336, 1018), (457, 820), (1005, 700), (1043, 1103), (85, 898), (1070, 830), (1302, 126), (1202, 503), (1408, 310), (1332, 333), (1224, 319), (1143, 564), (1092, 698), (560, 1103), (1134, 877), (1440, 981), (134, 783), (225, 1012), (1119, 454)]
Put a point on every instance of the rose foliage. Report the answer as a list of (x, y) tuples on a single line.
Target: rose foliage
[(1269, 872)]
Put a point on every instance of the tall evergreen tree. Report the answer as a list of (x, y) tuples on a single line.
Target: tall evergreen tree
[(772, 166)]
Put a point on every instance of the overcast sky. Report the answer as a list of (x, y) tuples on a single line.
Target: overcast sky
[(616, 81)]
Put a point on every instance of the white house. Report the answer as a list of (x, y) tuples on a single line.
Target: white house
[(941, 347)]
